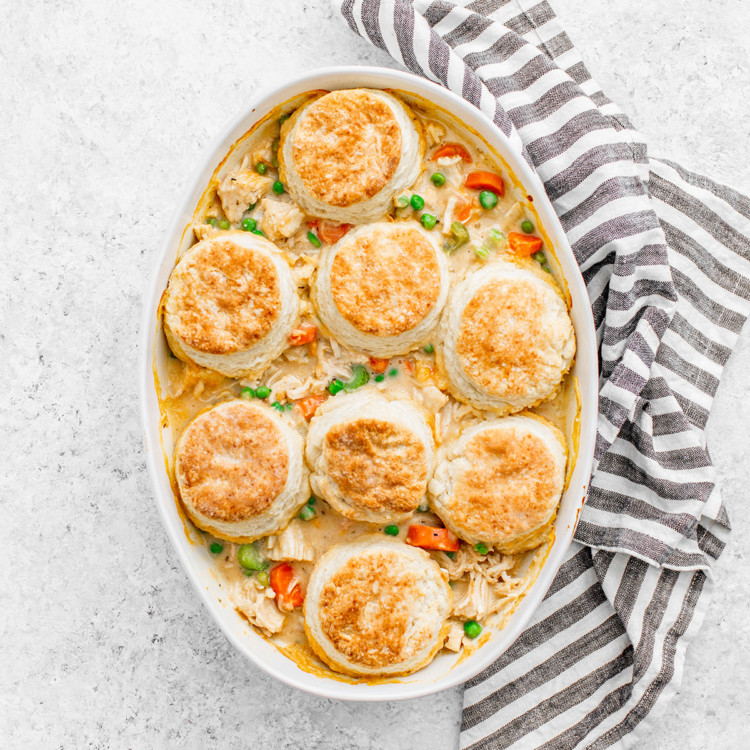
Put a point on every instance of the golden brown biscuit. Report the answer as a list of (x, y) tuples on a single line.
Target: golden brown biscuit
[(371, 458), (508, 340), (344, 155), (500, 482), (377, 606), (381, 288), (240, 472), (230, 304)]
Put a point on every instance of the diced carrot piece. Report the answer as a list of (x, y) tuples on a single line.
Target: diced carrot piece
[(485, 181), (524, 244), (430, 537), (331, 233), (378, 365), (462, 212), (452, 149), (309, 405), (303, 335), (286, 587)]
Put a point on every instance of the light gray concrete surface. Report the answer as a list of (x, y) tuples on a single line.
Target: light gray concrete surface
[(104, 109)]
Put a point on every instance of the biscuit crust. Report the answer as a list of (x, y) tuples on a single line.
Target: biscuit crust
[(377, 464), (232, 463), (505, 491), (347, 146), (385, 284), (502, 341), (223, 297)]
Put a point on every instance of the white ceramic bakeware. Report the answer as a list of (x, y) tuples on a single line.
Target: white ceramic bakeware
[(446, 670)]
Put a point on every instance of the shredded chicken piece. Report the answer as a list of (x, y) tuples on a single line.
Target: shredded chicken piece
[(204, 231), (448, 215), (477, 601), (290, 544), (492, 566), (280, 219), (433, 398), (240, 189), (455, 636), (258, 604), (448, 161), (434, 131)]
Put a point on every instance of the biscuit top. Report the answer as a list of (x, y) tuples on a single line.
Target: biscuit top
[(510, 486), (223, 297), (346, 146), (232, 462), (505, 344), (384, 282), (376, 464), (367, 609)]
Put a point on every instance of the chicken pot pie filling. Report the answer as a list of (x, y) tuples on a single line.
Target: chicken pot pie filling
[(471, 206)]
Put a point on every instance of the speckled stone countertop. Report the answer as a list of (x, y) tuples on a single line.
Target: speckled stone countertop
[(105, 109)]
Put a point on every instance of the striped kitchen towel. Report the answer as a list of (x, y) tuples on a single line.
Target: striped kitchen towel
[(666, 259)]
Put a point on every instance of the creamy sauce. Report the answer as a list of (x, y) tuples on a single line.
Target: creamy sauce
[(185, 390)]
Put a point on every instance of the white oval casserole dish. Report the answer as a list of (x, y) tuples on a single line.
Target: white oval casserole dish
[(447, 669)]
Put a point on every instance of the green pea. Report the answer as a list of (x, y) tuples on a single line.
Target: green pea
[(262, 391), (257, 231), (488, 199), (481, 548), (393, 372), (527, 226), (278, 187), (251, 206), (288, 407), (429, 349), (216, 548), (312, 500), (428, 221), (423, 507), (314, 241), (247, 393), (417, 202), (379, 378), (402, 201), (276, 405), (391, 530), (263, 578), (335, 386), (213, 221), (249, 557), (306, 513), (438, 179), (249, 224), (224, 224), (452, 555), (472, 628), (261, 168)]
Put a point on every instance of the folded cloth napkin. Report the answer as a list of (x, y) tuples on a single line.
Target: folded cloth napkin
[(666, 258)]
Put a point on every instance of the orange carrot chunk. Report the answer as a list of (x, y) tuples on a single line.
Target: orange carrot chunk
[(331, 233), (286, 587), (429, 537), (378, 365), (524, 244), (303, 335), (452, 149), (309, 405), (486, 181)]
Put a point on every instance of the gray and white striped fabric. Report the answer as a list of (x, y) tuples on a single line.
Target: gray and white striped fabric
[(666, 258)]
